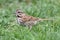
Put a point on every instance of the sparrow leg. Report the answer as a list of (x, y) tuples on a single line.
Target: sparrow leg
[(30, 27), (27, 26)]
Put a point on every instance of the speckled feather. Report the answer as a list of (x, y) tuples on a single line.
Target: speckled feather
[(24, 19)]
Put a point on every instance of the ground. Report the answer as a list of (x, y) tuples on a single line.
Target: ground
[(46, 30)]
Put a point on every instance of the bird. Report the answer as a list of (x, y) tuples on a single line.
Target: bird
[(27, 20)]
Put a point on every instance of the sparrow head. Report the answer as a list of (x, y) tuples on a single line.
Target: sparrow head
[(19, 13)]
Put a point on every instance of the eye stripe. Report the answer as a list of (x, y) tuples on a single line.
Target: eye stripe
[(19, 16)]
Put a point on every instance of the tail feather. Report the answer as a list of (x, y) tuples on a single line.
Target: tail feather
[(40, 19)]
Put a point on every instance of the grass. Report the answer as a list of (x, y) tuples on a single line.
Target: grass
[(46, 30)]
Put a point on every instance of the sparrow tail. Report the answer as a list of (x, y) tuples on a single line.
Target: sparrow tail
[(44, 19)]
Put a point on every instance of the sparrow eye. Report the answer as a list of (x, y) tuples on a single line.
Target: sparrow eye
[(18, 12)]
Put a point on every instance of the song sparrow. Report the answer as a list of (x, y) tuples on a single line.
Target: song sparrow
[(24, 19)]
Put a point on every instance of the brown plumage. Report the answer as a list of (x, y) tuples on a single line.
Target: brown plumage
[(24, 19)]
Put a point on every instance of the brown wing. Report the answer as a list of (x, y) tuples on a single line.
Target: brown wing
[(33, 18), (29, 18)]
